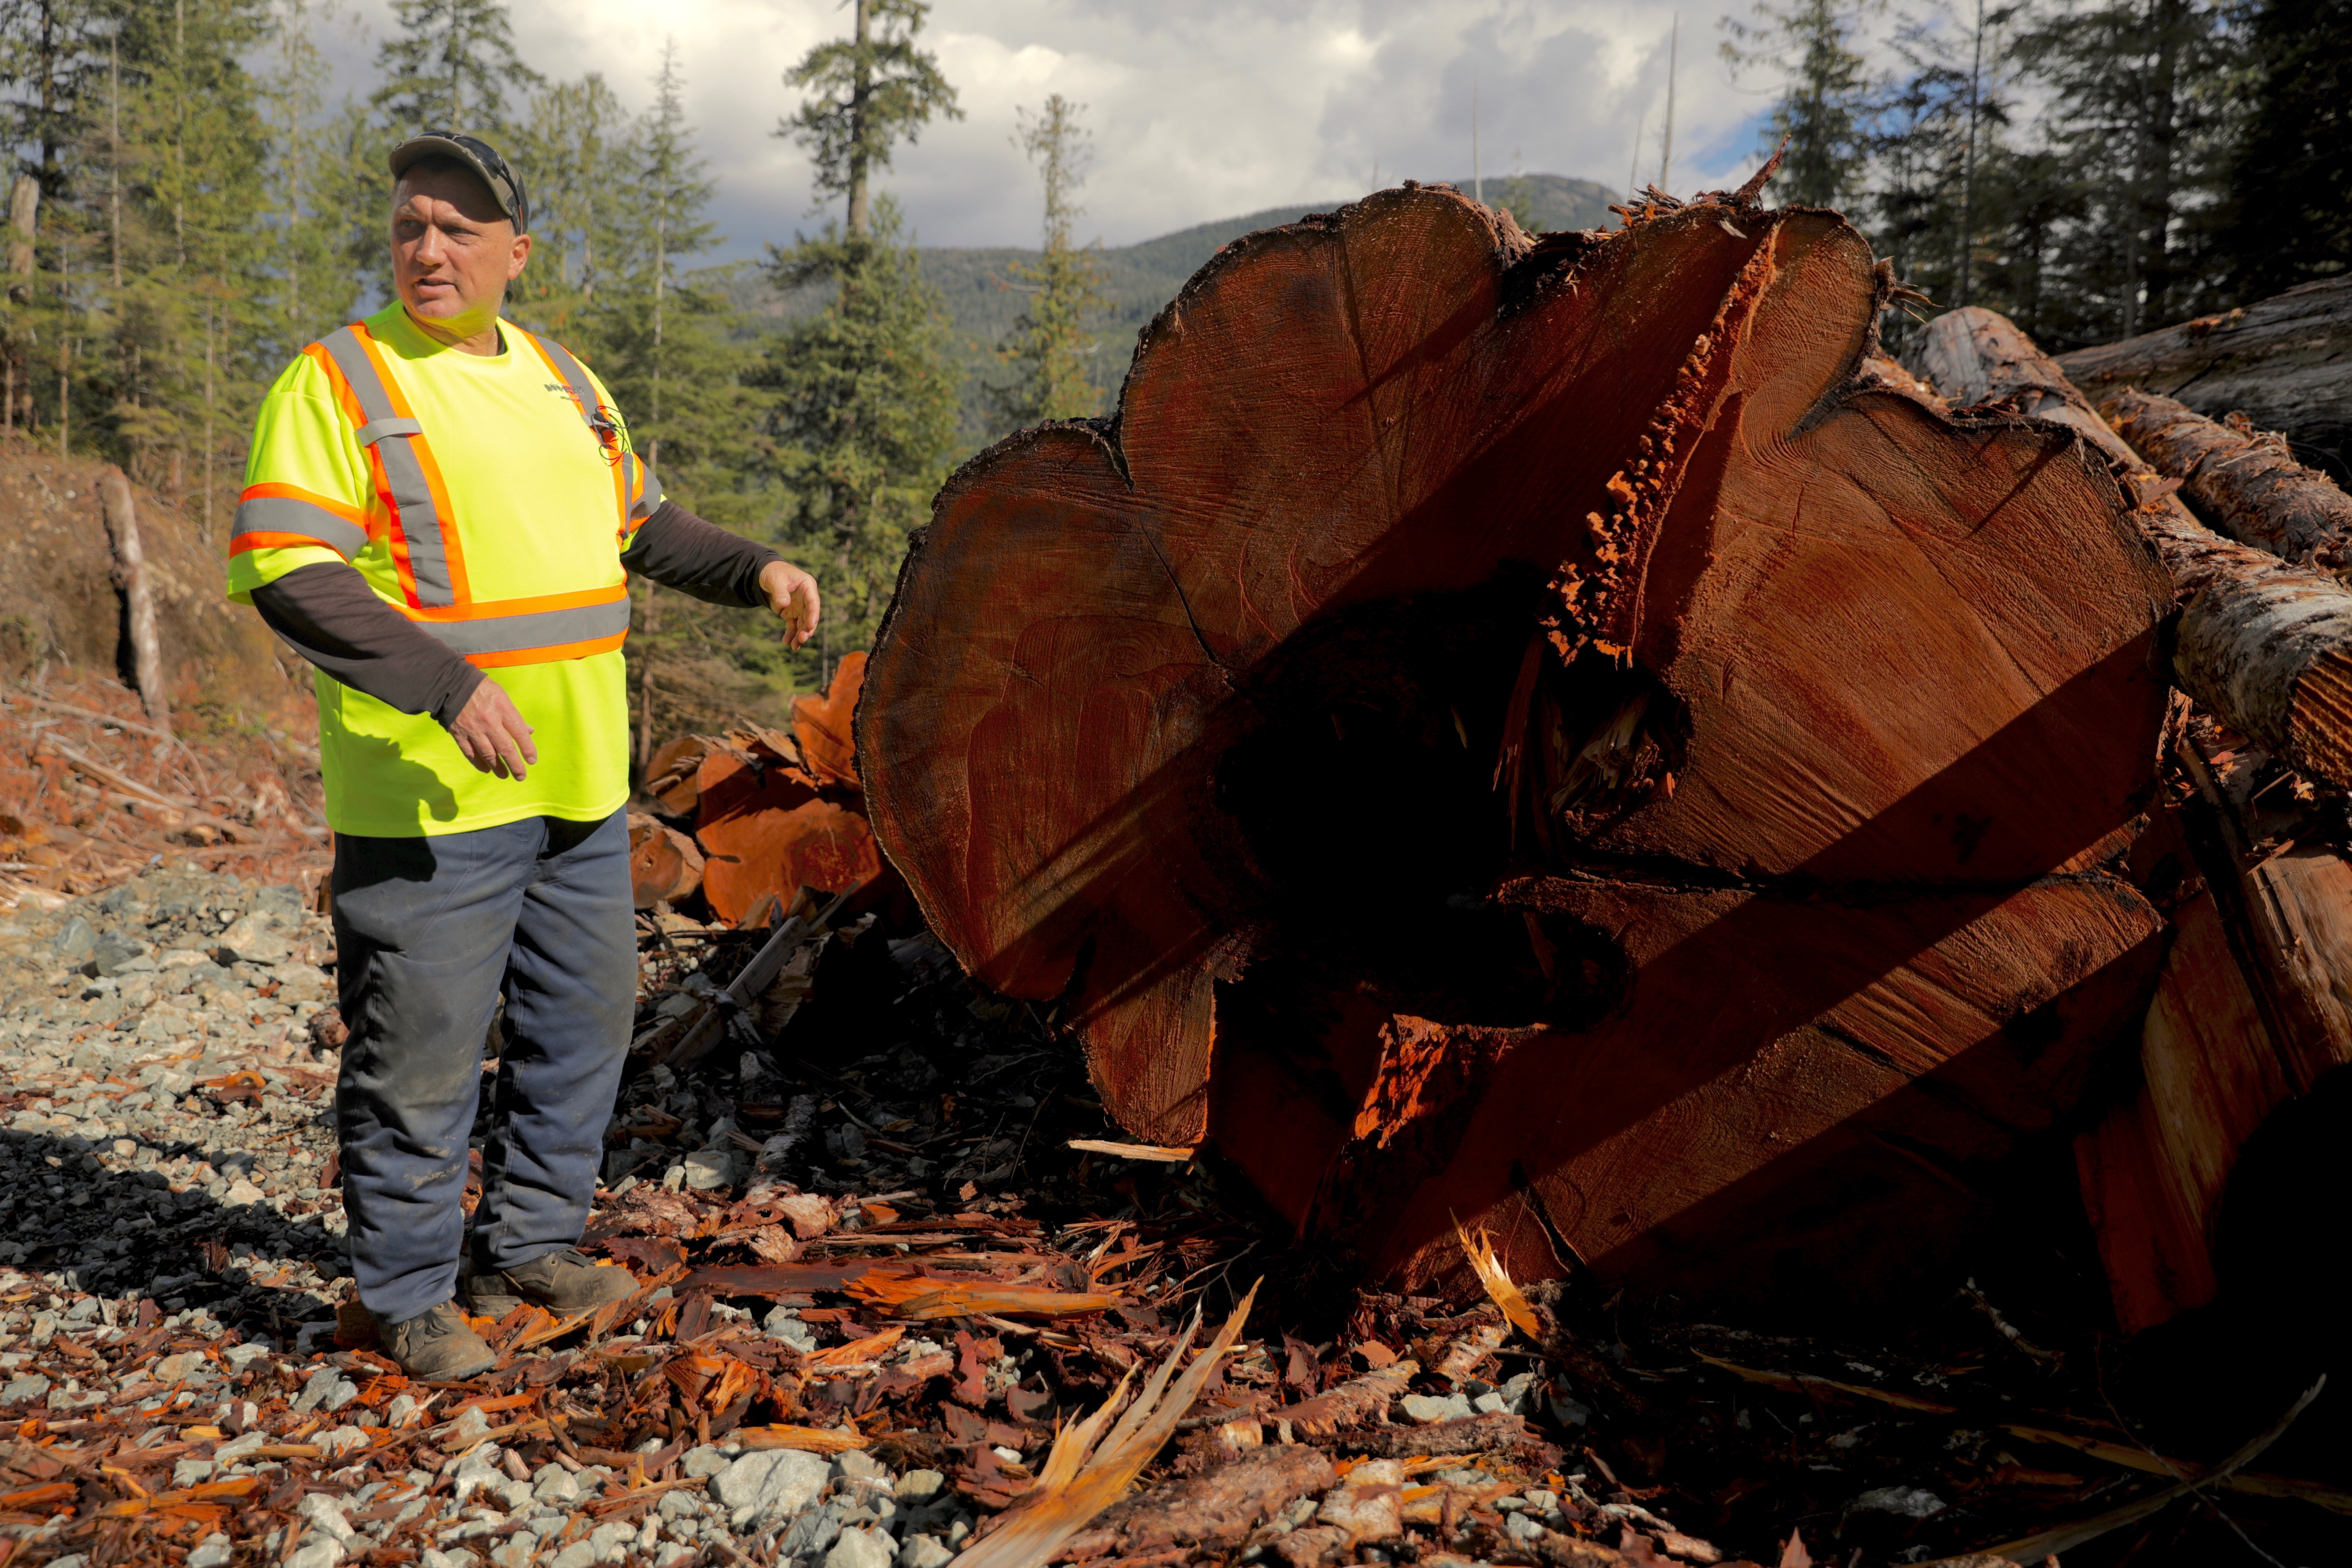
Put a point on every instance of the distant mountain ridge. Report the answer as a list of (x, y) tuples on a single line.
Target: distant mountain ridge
[(982, 298)]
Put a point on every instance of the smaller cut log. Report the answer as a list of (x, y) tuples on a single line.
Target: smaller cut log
[(727, 766), (1217, 1510), (2244, 482), (763, 849), (2286, 361), (822, 725), (665, 865), (2264, 647)]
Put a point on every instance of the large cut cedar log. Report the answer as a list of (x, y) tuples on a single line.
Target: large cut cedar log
[(2284, 361), (2264, 647), (2244, 482), (1539, 734)]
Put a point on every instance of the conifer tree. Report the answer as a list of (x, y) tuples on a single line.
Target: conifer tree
[(867, 91), (576, 150), (864, 399), (2138, 114), (2289, 214), (672, 351), (865, 413), (315, 291), (1050, 342), (450, 67), (1824, 96)]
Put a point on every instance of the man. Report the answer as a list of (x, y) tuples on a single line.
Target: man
[(437, 513)]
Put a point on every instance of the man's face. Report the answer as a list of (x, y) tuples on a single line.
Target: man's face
[(453, 251)]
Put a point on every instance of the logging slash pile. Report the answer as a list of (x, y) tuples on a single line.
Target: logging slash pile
[(755, 813)]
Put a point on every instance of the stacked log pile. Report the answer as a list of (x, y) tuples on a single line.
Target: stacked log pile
[(1551, 731), (2284, 363), (749, 817)]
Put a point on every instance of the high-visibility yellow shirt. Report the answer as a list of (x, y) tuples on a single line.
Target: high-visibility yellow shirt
[(531, 499)]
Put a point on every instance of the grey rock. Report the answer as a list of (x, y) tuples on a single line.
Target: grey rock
[(708, 1170), (924, 1552), (702, 1463), (191, 1472), (860, 1464), (475, 1471), (613, 1541), (238, 1448), (1428, 1409), (554, 1484), (861, 1548), (578, 1554), (30, 1385), (327, 1389), (211, 1553), (1521, 1527), (1911, 1502), (919, 1486), (113, 954), (809, 1534), (324, 1513), (343, 1440), (73, 945), (317, 1549), (770, 1484)]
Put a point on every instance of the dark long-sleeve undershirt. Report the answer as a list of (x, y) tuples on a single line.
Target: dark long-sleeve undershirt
[(329, 615)]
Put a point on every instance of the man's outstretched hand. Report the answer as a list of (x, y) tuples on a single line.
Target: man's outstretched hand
[(491, 732), (792, 594)]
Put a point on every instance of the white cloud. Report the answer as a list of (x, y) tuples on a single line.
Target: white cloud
[(1200, 109)]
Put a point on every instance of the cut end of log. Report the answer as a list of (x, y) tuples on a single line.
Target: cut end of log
[(1493, 713)]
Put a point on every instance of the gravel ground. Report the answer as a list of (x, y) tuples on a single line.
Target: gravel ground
[(176, 1263)]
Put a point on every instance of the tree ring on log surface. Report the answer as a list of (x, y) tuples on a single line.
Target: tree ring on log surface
[(1436, 606)]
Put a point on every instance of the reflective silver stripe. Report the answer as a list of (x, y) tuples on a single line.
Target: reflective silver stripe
[(412, 498), (575, 377), (284, 514), (540, 629), (633, 472), (375, 430)]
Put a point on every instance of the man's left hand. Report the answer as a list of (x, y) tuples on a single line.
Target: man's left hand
[(792, 594)]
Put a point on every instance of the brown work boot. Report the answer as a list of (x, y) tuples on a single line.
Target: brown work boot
[(565, 1282), (437, 1346)]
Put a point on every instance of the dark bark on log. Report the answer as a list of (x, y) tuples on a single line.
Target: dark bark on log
[(2285, 362), (2264, 647), (1589, 758), (1357, 1400), (1216, 1510), (2243, 481), (1502, 1433)]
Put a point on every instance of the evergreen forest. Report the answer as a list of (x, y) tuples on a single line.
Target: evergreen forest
[(190, 204)]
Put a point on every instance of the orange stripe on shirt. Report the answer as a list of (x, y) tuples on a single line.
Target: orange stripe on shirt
[(244, 541), (453, 549), (548, 655)]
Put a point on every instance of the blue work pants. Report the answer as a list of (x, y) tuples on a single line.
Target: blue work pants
[(429, 933)]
